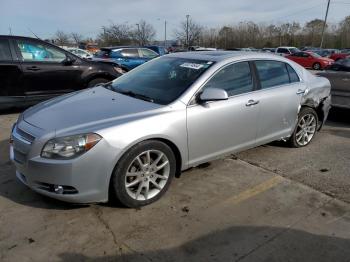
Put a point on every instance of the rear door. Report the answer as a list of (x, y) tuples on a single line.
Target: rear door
[(45, 73), (279, 98), (10, 73)]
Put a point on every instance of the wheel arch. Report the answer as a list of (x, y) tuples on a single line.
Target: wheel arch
[(168, 142), (318, 109)]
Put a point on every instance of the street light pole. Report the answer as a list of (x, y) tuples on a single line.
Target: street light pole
[(138, 34), (187, 40), (165, 34), (324, 24)]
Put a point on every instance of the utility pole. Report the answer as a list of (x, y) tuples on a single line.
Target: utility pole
[(165, 34), (324, 24), (187, 39), (138, 34), (10, 30)]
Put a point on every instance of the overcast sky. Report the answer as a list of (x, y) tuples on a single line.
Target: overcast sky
[(45, 17)]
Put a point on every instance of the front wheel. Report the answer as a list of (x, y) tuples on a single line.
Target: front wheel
[(143, 174), (305, 129), (316, 66)]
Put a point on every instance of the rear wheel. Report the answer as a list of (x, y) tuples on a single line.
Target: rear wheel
[(143, 174), (316, 66), (306, 128), (97, 81)]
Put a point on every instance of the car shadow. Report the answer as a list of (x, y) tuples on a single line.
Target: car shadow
[(14, 110), (241, 243)]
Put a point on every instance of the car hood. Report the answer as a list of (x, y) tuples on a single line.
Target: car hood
[(325, 59), (89, 107)]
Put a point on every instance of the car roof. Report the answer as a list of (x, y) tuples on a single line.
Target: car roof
[(288, 47), (120, 47), (22, 37), (218, 56)]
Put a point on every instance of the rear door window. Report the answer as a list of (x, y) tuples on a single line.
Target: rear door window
[(130, 52), (272, 73), (293, 76), (148, 53), (5, 52)]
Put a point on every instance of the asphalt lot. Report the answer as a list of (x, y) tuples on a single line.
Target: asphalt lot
[(271, 203)]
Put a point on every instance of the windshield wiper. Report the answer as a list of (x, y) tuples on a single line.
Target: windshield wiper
[(135, 95), (108, 86)]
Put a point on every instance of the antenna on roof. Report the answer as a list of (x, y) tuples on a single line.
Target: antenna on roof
[(33, 33)]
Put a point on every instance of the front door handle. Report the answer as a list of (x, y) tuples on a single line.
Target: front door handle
[(300, 91), (33, 68), (252, 102)]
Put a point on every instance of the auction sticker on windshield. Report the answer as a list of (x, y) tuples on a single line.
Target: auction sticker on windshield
[(192, 66)]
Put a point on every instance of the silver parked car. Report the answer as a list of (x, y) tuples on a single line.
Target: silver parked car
[(130, 137)]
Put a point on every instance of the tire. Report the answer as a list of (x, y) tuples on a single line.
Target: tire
[(129, 180), (302, 136), (316, 66), (97, 81)]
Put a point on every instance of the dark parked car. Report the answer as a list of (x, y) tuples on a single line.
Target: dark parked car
[(32, 70), (339, 76), (127, 57)]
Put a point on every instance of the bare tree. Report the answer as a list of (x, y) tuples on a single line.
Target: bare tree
[(194, 32), (77, 37), (144, 33), (116, 34), (61, 38)]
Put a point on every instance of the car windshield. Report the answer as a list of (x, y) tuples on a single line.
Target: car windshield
[(103, 53), (294, 50), (161, 80), (314, 54)]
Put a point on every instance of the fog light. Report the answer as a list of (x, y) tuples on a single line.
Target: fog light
[(58, 189)]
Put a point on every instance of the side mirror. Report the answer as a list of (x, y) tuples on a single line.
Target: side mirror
[(68, 61), (213, 94)]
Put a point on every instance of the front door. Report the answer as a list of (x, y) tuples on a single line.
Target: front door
[(10, 73), (44, 70), (221, 127)]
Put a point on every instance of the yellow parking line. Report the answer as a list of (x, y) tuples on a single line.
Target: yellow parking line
[(251, 192)]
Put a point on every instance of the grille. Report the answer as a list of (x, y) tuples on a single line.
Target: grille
[(26, 136)]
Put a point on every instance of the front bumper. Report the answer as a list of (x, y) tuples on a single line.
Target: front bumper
[(84, 179)]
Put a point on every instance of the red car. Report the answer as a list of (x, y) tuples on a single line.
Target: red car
[(311, 60), (337, 56)]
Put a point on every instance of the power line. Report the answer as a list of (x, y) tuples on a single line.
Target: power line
[(298, 12)]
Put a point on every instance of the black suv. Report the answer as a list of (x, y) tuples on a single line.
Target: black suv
[(32, 70)]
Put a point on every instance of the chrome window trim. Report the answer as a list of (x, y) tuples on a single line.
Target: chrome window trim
[(192, 101)]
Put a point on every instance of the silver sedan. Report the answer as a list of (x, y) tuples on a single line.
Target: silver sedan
[(129, 138)]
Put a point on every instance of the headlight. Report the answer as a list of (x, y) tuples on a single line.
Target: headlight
[(119, 70), (70, 146)]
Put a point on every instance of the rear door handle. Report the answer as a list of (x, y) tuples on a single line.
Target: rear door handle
[(33, 68), (252, 102), (300, 91)]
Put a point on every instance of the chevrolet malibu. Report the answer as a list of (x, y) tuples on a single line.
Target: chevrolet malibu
[(127, 139)]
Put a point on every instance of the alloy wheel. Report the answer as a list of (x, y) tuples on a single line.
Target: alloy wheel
[(147, 175), (306, 129)]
